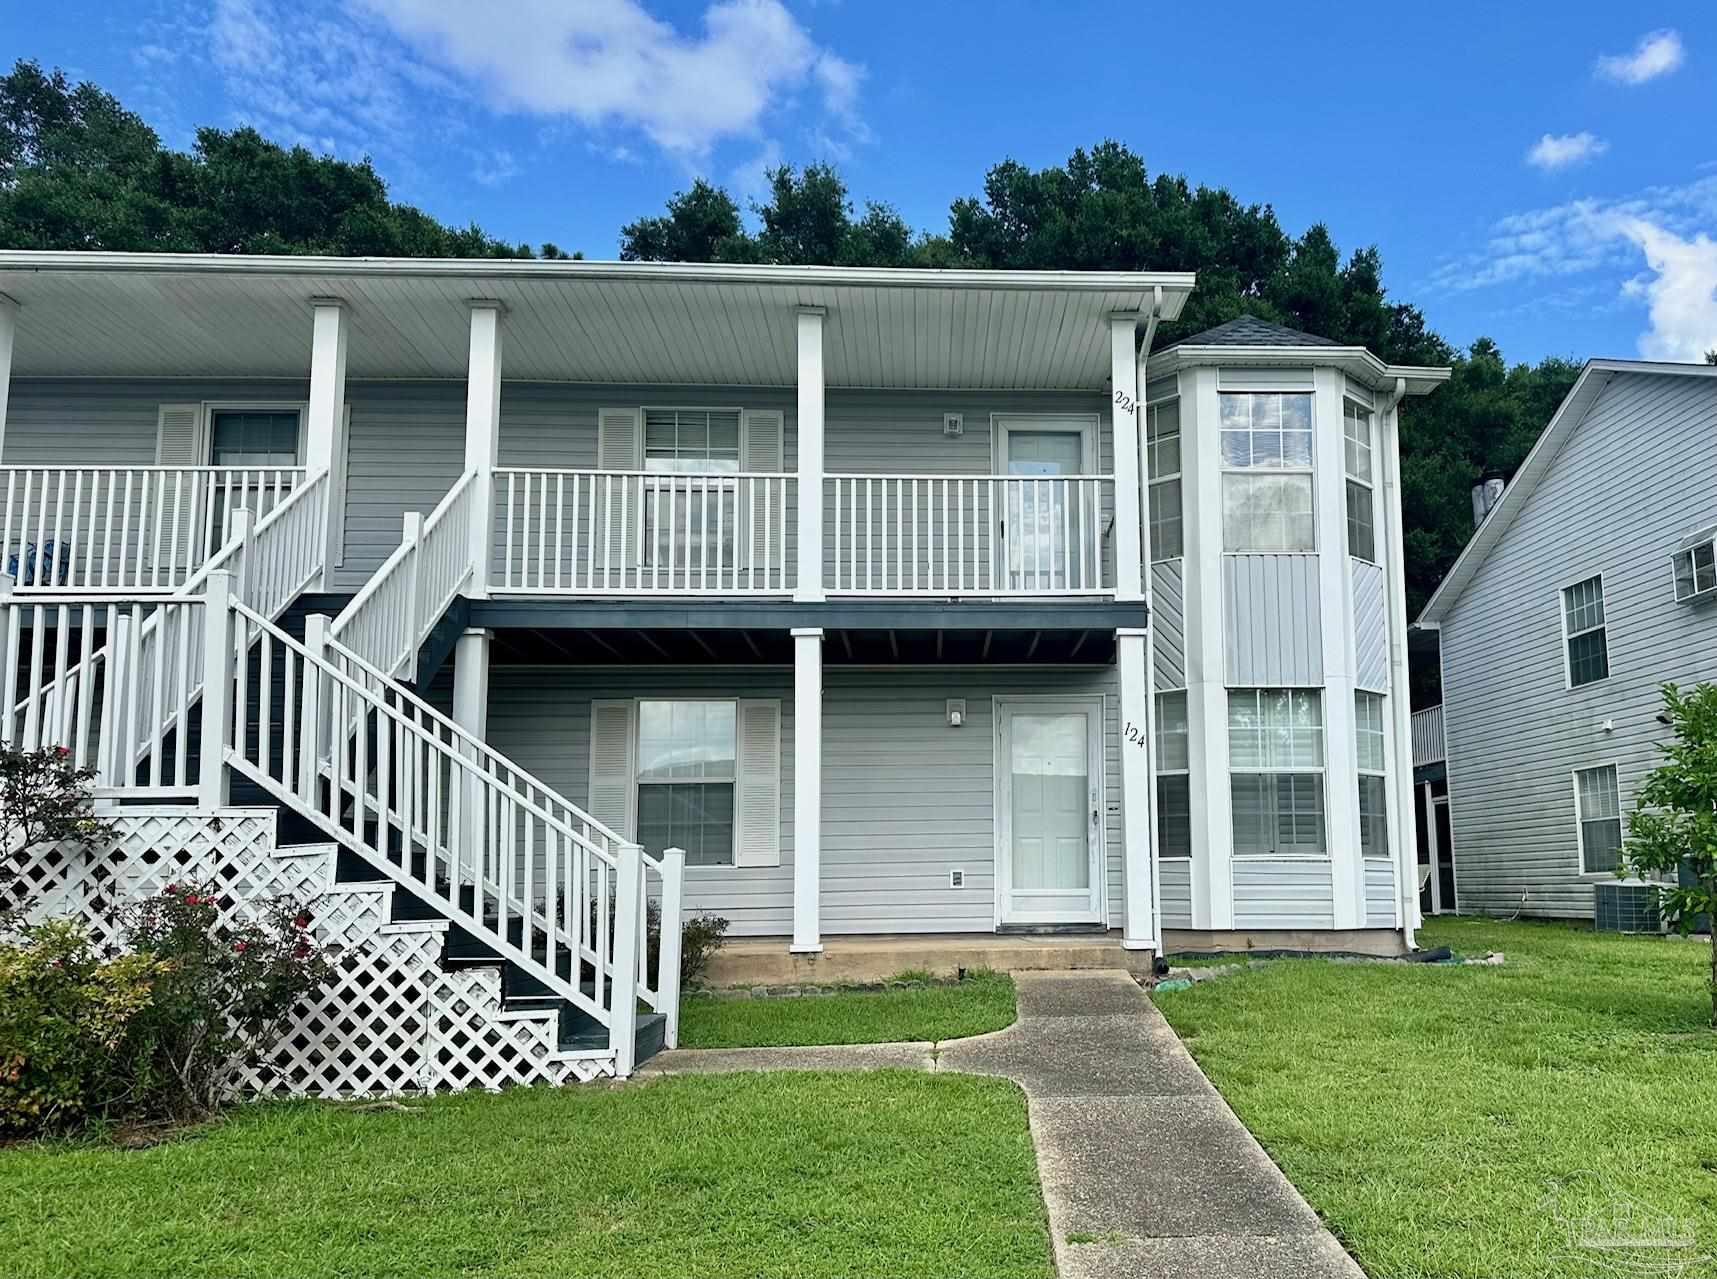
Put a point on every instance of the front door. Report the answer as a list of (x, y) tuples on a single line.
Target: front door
[(1044, 524), (1049, 845)]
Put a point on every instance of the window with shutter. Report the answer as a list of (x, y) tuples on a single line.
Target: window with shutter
[(612, 737), (615, 501), (762, 505), (757, 839)]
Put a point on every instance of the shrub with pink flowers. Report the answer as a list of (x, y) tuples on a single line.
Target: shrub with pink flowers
[(227, 991)]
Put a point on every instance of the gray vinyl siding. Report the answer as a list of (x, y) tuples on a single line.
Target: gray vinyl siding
[(1174, 882), (1634, 478), (1283, 894), (405, 450), (1370, 626), (1168, 623), (1272, 622), (102, 422), (906, 798), (1379, 893)]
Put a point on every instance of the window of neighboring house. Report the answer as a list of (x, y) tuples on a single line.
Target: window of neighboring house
[(1583, 629), (1174, 798), (1696, 567), (690, 522), (1162, 468), (1361, 517), (686, 760), (1598, 806), (1276, 762), (1267, 472), (1368, 731)]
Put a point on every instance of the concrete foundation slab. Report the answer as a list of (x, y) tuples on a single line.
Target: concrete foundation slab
[(765, 961)]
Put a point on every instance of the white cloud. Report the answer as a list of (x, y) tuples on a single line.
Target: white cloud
[(493, 170), (1681, 292), (1658, 53), (611, 63), (1559, 150), (1669, 227)]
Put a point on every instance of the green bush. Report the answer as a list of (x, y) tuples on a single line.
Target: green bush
[(226, 994), (70, 1043), (701, 937), (44, 799)]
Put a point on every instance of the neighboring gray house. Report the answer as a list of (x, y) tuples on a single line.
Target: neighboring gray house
[(1589, 584), (844, 603)]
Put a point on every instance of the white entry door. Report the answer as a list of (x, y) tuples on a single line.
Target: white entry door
[(1044, 524), (1050, 825)]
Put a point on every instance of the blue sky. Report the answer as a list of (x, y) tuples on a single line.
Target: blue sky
[(1544, 173)]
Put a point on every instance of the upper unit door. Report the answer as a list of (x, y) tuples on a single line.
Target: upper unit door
[(1045, 524), (1050, 825)]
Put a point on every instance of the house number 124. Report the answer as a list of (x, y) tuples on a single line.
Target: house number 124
[(1135, 735)]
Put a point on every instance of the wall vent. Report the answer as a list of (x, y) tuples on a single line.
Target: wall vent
[(956, 879), (953, 424)]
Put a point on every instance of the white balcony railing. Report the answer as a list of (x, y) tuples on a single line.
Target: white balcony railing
[(1428, 736), (636, 533), (130, 530), (967, 535)]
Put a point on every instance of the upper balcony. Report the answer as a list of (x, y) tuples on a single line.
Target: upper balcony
[(936, 435)]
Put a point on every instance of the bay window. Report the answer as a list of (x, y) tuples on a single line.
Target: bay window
[(1276, 765), (1267, 472), (1162, 468), (1174, 798), (1369, 737), (1361, 509)]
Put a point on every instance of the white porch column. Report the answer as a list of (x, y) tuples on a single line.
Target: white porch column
[(1335, 596), (1129, 502), (1212, 882), (8, 334), (810, 478), (325, 420), (1431, 851), (807, 788), (1138, 823), (471, 713), (483, 435)]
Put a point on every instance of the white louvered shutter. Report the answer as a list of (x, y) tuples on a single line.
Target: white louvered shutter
[(757, 785), (614, 505), (763, 512), (176, 507), (613, 766), (338, 479)]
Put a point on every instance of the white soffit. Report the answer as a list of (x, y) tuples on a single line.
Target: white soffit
[(166, 315)]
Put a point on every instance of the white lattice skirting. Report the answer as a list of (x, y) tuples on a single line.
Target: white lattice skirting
[(392, 1021)]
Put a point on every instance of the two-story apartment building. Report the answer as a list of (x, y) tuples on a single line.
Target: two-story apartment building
[(891, 602), (1587, 586)]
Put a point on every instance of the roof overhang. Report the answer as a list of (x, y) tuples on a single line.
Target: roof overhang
[(1587, 388), (1355, 361), (176, 315)]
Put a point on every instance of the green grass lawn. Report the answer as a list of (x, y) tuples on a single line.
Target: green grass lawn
[(982, 1002), (893, 1173), (1449, 1121)]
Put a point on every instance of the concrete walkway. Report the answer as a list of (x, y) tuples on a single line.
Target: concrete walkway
[(1141, 1161)]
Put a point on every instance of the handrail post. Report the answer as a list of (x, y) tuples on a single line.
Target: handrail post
[(218, 706), (411, 535), (244, 531), (310, 707), (13, 634), (623, 987), (668, 962)]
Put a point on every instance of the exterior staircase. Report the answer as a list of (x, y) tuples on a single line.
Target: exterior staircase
[(225, 689)]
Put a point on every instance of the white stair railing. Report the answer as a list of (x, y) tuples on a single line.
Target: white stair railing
[(389, 619), (126, 529)]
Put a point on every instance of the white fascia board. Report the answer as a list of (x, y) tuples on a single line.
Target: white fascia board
[(1592, 380), (1353, 360), (1174, 284)]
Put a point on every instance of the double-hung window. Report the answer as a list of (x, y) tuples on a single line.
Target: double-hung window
[(257, 443), (1174, 799), (1369, 731), (1359, 459), (1583, 632), (1267, 472), (1696, 566), (1597, 804), (1162, 468), (687, 752), (690, 493), (1276, 763)]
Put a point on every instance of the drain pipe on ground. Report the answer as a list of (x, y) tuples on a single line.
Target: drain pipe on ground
[(1406, 856)]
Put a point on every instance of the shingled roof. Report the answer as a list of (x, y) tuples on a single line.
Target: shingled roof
[(1249, 330)]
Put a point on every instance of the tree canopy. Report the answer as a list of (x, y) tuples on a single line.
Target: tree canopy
[(79, 171)]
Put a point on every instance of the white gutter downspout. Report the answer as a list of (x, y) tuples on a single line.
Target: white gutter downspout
[(1406, 857), (1151, 319)]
